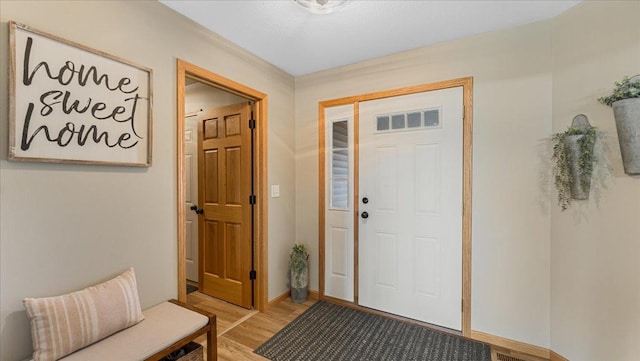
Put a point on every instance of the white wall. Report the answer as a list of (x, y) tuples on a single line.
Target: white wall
[(595, 245), (512, 117), (63, 227)]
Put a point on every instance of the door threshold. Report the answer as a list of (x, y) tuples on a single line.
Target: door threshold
[(392, 316)]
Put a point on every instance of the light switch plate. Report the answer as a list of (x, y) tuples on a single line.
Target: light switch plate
[(275, 191)]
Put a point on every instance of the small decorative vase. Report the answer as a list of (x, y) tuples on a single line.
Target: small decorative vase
[(300, 285), (581, 184), (627, 115)]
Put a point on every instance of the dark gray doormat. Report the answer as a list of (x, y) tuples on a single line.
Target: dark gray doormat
[(330, 332)]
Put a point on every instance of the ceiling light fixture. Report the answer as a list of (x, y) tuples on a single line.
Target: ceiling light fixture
[(321, 6)]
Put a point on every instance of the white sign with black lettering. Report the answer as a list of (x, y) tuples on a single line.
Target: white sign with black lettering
[(73, 104)]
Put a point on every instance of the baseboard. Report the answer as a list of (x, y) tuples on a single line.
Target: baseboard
[(523, 347), (556, 357), (314, 295), (278, 299)]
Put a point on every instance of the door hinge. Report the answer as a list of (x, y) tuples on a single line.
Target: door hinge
[(252, 275), (252, 123), (252, 199)]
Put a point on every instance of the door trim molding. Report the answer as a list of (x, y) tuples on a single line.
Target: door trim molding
[(184, 70), (467, 136)]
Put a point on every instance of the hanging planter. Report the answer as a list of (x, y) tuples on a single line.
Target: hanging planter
[(625, 101), (299, 264), (573, 156)]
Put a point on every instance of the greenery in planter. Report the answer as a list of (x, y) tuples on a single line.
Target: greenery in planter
[(298, 262), (625, 101), (562, 166), (625, 89)]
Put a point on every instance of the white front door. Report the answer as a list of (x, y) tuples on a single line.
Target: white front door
[(191, 163), (410, 225)]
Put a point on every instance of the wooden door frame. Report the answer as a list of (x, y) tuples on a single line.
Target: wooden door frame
[(184, 70), (467, 133)]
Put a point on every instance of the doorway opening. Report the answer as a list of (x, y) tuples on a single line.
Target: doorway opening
[(192, 112), (342, 169)]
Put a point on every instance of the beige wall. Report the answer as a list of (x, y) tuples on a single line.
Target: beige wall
[(567, 281), (512, 117), (63, 227), (200, 96), (595, 245)]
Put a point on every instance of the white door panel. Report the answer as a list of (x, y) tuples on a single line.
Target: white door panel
[(339, 235), (410, 246), (427, 167), (191, 170)]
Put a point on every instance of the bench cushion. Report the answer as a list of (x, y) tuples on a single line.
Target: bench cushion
[(163, 325), (63, 324)]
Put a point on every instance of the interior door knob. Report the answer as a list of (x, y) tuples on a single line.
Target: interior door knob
[(364, 215), (196, 209)]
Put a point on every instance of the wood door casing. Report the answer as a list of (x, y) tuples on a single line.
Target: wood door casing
[(184, 71), (224, 187)]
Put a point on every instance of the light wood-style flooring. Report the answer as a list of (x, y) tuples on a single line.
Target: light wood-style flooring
[(240, 331)]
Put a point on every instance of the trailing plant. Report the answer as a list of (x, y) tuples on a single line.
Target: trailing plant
[(298, 262), (562, 166), (625, 89)]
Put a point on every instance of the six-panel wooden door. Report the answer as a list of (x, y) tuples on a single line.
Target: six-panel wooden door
[(224, 188)]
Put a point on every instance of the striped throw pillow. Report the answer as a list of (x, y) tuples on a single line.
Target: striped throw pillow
[(63, 324)]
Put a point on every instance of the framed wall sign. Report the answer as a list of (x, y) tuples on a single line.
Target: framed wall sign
[(73, 104)]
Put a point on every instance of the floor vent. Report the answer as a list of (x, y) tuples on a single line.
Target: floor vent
[(507, 355), (502, 357)]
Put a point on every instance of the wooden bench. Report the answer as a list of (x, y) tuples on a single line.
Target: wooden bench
[(166, 328)]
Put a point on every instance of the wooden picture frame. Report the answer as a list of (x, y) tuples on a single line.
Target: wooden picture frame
[(73, 104)]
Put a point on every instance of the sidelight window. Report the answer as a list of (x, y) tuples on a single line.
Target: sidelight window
[(340, 165)]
